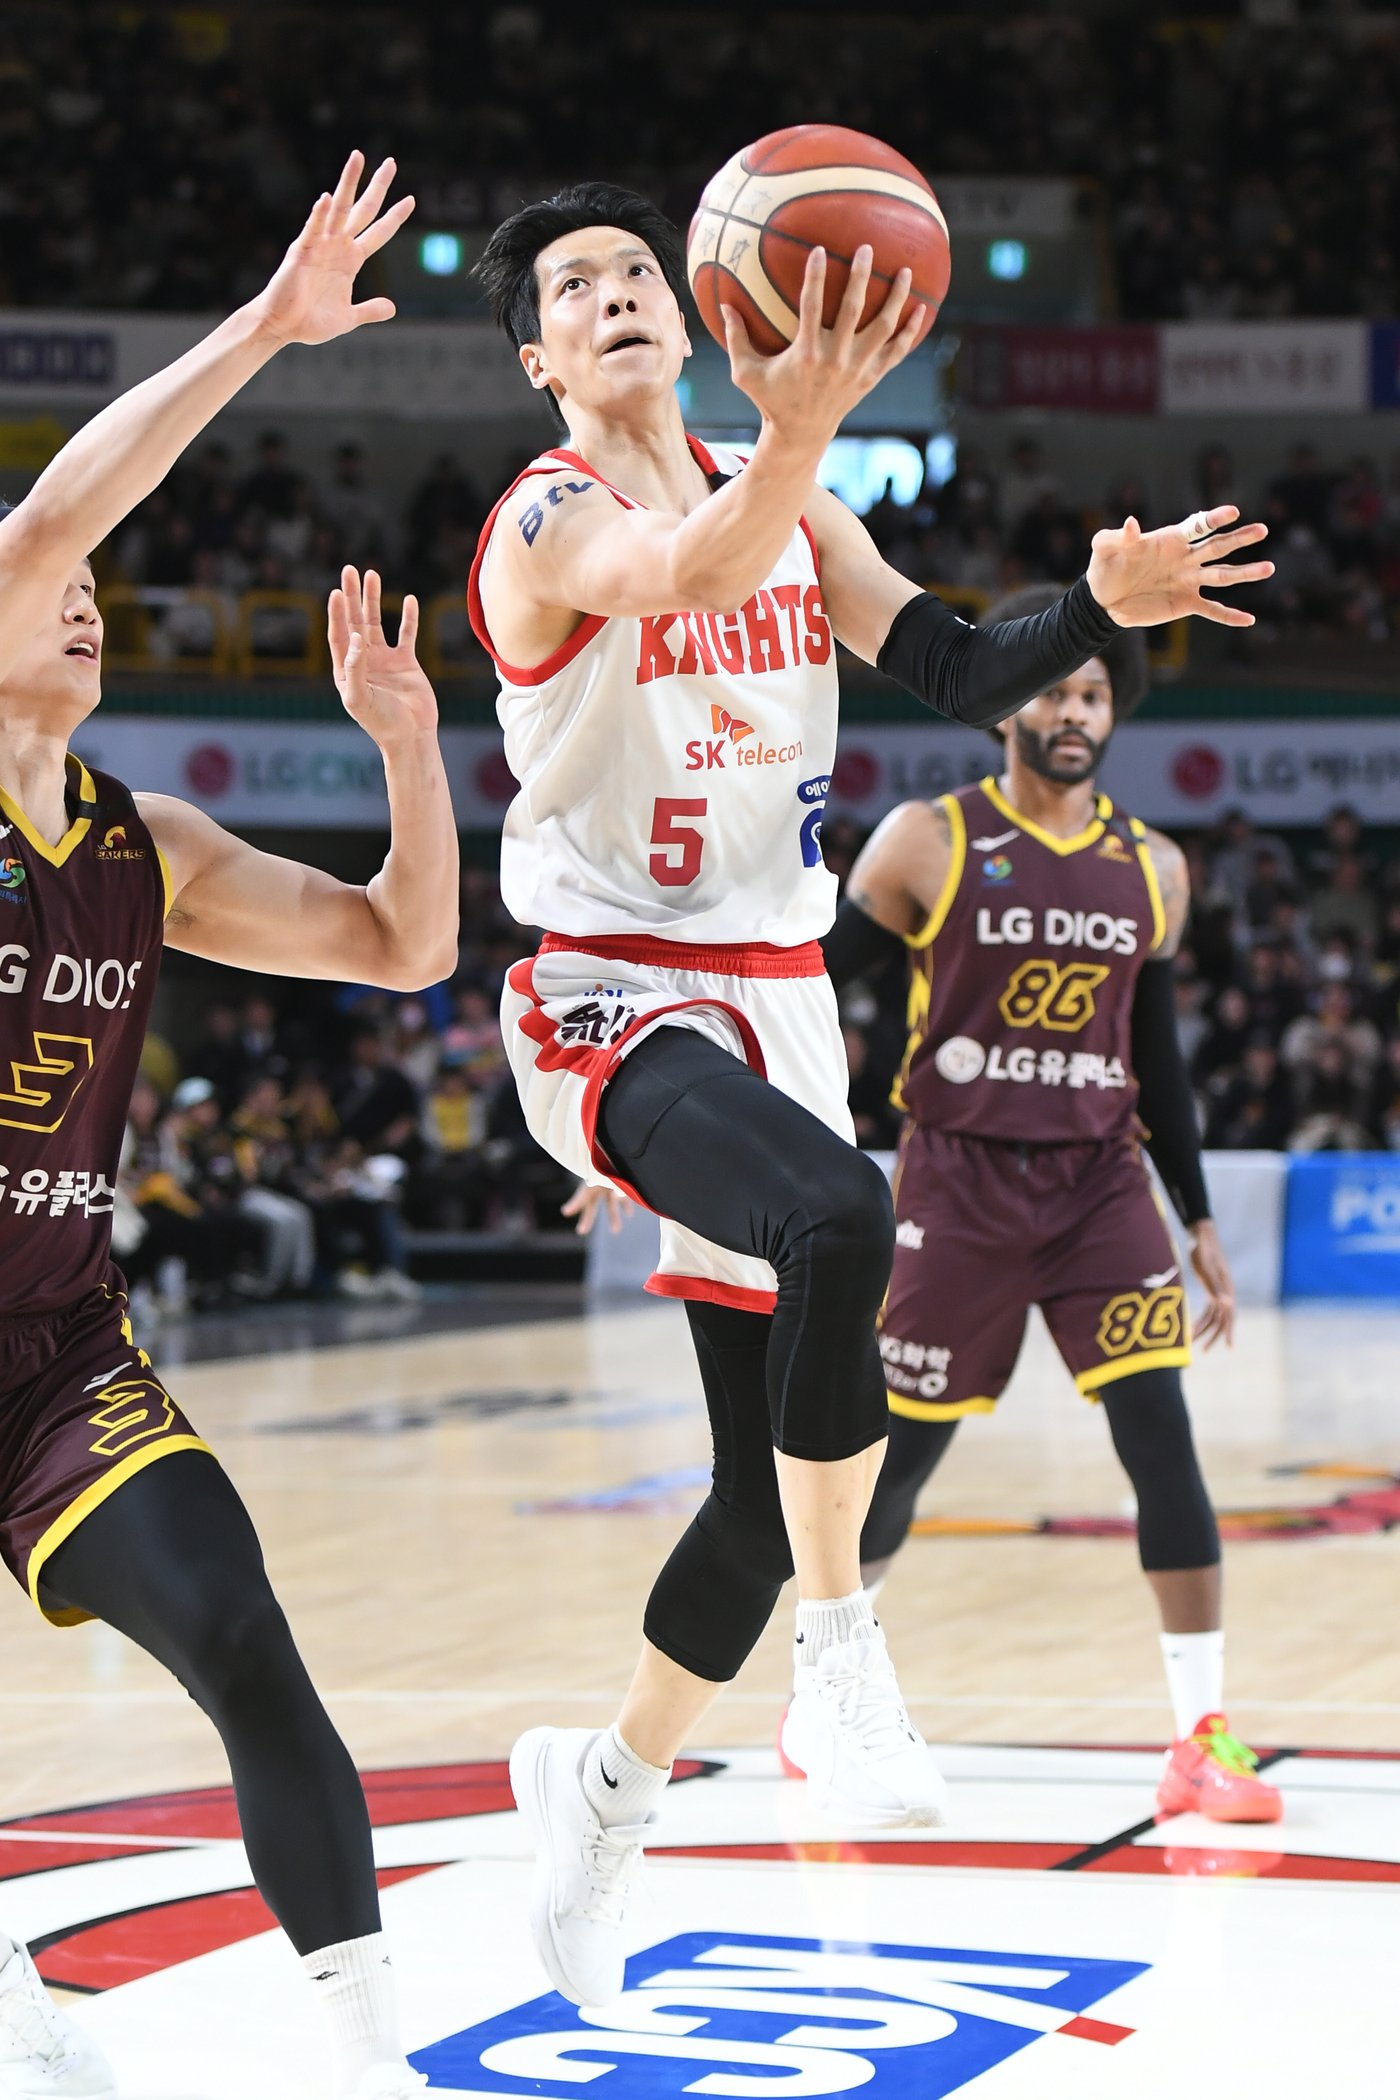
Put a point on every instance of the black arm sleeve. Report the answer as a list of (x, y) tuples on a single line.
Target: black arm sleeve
[(856, 944), (1164, 1096), (981, 675)]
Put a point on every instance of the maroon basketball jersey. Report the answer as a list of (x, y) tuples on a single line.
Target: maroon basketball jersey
[(1021, 983), (80, 941)]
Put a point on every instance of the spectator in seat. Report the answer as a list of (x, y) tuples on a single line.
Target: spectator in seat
[(1222, 1048), (1346, 905), (356, 513), (377, 1103), (1255, 1109), (270, 489), (1335, 1022), (1331, 1104)]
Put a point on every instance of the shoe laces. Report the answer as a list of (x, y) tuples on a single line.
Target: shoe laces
[(1226, 1749), (865, 1694), (32, 2020), (609, 1857)]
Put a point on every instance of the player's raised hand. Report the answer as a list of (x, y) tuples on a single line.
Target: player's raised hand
[(1142, 578), (384, 687), (1217, 1322), (807, 390), (311, 298)]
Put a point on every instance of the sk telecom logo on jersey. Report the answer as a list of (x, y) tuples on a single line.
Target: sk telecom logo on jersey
[(738, 2013), (735, 743), (115, 847)]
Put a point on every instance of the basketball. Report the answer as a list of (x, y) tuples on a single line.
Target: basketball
[(812, 186)]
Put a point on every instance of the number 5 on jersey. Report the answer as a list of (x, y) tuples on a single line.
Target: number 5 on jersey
[(674, 836)]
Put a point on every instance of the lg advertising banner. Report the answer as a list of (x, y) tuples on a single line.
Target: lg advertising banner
[(274, 774)]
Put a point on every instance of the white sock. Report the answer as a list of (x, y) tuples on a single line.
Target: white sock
[(620, 1786), (354, 1986), (1195, 1676), (827, 1622)]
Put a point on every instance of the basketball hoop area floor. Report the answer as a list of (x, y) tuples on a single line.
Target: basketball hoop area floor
[(462, 1513)]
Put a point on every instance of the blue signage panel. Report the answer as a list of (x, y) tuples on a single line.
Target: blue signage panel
[(1385, 365), (1341, 1235)]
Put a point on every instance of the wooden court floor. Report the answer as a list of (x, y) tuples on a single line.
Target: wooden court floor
[(402, 1490)]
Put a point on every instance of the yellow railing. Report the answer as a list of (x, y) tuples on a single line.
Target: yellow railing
[(260, 634)]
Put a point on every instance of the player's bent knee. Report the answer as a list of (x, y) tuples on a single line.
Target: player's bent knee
[(716, 1593), (236, 1645), (1151, 1430), (850, 1231)]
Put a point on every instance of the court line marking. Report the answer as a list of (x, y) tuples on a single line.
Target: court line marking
[(535, 1695)]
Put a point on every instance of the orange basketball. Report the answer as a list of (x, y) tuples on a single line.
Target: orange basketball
[(812, 186)]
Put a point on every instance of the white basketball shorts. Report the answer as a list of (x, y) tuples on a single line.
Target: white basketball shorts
[(571, 1013)]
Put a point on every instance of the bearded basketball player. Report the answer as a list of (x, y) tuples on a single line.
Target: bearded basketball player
[(1041, 924), (663, 617), (111, 1506)]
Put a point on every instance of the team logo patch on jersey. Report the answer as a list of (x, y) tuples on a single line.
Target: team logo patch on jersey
[(725, 724), (959, 1060), (997, 869), (1112, 848), (13, 879), (115, 847)]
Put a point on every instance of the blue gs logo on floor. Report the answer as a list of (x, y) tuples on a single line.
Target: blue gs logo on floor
[(729, 2014)]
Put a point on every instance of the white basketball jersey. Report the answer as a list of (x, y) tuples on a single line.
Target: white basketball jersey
[(673, 770)]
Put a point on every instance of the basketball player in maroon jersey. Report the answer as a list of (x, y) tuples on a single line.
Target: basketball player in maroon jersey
[(1041, 924), (111, 1506)]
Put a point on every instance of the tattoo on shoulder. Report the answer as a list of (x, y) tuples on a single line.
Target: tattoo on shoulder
[(532, 519), (942, 822), (1169, 862)]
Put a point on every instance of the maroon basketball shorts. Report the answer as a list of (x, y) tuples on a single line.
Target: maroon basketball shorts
[(985, 1230), (81, 1410)]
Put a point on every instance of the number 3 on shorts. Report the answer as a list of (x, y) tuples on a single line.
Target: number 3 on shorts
[(673, 836)]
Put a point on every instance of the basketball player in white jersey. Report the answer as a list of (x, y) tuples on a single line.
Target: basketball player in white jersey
[(663, 620)]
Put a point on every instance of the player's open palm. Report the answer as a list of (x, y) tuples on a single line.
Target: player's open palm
[(384, 687), (807, 390), (1217, 1320), (311, 298), (1142, 578)]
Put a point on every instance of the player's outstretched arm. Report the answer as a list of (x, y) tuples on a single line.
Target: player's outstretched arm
[(982, 675), (1166, 1103), (258, 911), (565, 549), (127, 450)]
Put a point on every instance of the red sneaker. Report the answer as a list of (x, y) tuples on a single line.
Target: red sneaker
[(789, 1769), (1213, 1773)]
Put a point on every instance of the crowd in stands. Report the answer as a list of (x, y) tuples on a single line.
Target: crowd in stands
[(1334, 531), (159, 158), (270, 523), (276, 522), (294, 1155)]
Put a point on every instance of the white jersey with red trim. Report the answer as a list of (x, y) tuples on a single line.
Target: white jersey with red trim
[(673, 770)]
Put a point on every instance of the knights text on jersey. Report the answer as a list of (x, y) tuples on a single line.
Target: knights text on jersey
[(1021, 983), (673, 770), (80, 942)]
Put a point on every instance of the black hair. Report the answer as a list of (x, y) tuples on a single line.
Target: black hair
[(1124, 658), (507, 264)]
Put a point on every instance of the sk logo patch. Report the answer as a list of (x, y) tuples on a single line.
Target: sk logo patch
[(727, 2013)]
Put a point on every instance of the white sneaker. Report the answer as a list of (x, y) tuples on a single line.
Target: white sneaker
[(398, 1287), (389, 2082), (43, 2056), (583, 1870), (847, 1732)]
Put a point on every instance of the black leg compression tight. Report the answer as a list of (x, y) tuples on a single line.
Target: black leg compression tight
[(172, 1560), (710, 1144), (717, 1591), (915, 1448), (1151, 1433)]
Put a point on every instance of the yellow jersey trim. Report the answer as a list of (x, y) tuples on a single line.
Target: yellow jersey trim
[(83, 1505), (937, 1410), (1176, 1359), (957, 860), (75, 834), (1149, 876), (168, 881), (1089, 836)]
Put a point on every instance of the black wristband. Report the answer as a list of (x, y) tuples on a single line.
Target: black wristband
[(1165, 1100), (980, 675), (857, 944)]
